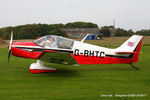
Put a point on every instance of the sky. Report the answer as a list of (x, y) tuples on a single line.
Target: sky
[(128, 14)]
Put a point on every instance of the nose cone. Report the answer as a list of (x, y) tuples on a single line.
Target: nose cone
[(16, 51), (21, 49)]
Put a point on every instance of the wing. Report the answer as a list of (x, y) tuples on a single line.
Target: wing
[(57, 57)]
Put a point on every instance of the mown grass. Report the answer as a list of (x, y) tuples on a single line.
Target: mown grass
[(107, 41), (84, 82), (116, 41)]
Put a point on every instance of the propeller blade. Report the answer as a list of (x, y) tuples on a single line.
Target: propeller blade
[(10, 44), (9, 55), (11, 39)]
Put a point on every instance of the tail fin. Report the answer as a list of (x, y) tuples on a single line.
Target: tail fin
[(131, 46)]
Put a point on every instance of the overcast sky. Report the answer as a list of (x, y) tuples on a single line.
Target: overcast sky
[(129, 14)]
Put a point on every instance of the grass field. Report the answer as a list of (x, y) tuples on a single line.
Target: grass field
[(86, 82), (107, 41), (116, 41)]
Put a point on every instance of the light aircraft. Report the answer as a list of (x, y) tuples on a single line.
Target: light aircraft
[(57, 49)]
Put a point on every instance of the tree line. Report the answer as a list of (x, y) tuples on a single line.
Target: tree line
[(119, 32), (31, 31)]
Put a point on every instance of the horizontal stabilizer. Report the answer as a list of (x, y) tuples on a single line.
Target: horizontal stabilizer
[(126, 52)]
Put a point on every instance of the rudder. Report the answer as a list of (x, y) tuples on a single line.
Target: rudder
[(132, 46)]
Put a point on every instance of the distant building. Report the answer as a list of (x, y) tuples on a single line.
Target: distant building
[(80, 32)]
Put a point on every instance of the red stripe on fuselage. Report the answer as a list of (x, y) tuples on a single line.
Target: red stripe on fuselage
[(81, 59), (22, 53), (24, 43), (25, 54)]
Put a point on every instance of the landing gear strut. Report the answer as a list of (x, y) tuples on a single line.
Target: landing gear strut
[(39, 67), (136, 68)]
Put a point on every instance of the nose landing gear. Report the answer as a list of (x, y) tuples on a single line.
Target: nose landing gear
[(39, 67)]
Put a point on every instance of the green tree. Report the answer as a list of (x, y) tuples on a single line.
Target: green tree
[(81, 25), (29, 31), (121, 32), (106, 30), (143, 32), (59, 33)]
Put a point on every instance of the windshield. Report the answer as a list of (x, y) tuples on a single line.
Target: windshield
[(52, 41)]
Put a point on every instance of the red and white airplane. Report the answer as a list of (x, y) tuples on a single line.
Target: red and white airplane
[(57, 49)]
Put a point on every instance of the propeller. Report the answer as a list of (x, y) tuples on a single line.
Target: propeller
[(10, 44)]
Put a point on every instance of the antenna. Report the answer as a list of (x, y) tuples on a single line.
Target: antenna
[(84, 38), (112, 30), (114, 23)]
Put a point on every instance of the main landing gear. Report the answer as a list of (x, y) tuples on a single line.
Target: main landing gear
[(136, 68), (39, 67)]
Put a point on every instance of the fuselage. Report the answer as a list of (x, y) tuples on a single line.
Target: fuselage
[(83, 53)]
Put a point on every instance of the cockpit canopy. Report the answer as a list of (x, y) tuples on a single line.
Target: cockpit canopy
[(52, 41)]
